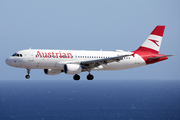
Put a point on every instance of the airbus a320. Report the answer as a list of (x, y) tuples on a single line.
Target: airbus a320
[(74, 62)]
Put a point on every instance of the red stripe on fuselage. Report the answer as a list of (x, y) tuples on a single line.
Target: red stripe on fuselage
[(146, 53), (145, 50)]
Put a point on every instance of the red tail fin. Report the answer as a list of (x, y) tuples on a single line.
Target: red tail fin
[(151, 46), (153, 42)]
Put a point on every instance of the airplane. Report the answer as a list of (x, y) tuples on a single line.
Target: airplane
[(74, 62)]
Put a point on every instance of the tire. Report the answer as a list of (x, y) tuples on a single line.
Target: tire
[(76, 77), (90, 77), (27, 76)]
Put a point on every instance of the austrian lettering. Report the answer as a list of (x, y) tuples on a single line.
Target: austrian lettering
[(53, 55)]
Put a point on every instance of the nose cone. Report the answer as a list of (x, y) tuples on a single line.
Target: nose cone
[(7, 61)]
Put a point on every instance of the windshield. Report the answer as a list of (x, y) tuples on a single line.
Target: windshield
[(18, 55)]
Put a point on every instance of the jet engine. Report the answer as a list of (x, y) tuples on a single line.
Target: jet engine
[(52, 71), (72, 68)]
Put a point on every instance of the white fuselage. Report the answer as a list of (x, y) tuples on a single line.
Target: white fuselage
[(56, 59)]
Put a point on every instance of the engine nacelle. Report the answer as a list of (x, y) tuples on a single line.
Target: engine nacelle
[(52, 71), (72, 68)]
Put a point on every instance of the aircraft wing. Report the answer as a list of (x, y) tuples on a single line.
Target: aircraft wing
[(95, 63)]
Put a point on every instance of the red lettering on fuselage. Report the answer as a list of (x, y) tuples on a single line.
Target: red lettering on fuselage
[(60, 54), (38, 54), (53, 55), (56, 55), (64, 55), (69, 55), (42, 54), (49, 54)]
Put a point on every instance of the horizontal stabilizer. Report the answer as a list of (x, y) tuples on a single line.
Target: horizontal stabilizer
[(152, 58)]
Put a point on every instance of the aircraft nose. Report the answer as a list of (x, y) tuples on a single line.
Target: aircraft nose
[(7, 61)]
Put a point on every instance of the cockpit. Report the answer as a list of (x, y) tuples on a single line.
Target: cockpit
[(17, 55)]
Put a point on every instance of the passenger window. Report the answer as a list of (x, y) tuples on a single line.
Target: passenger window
[(20, 55)]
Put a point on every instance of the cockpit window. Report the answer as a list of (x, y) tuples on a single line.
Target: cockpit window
[(18, 55), (14, 54)]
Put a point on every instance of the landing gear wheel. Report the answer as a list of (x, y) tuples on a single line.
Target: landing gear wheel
[(27, 76), (90, 77), (76, 77)]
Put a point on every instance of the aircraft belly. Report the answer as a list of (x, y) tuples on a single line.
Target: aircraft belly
[(124, 64)]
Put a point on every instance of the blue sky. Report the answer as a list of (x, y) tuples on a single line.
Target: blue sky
[(89, 25)]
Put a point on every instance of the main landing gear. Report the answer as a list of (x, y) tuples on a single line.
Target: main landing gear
[(89, 77), (28, 76), (76, 77)]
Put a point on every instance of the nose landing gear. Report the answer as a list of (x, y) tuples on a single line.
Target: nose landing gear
[(28, 76)]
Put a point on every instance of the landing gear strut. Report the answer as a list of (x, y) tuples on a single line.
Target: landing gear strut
[(90, 77), (28, 76), (76, 77)]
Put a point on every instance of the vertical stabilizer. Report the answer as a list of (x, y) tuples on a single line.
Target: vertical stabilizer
[(153, 42)]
